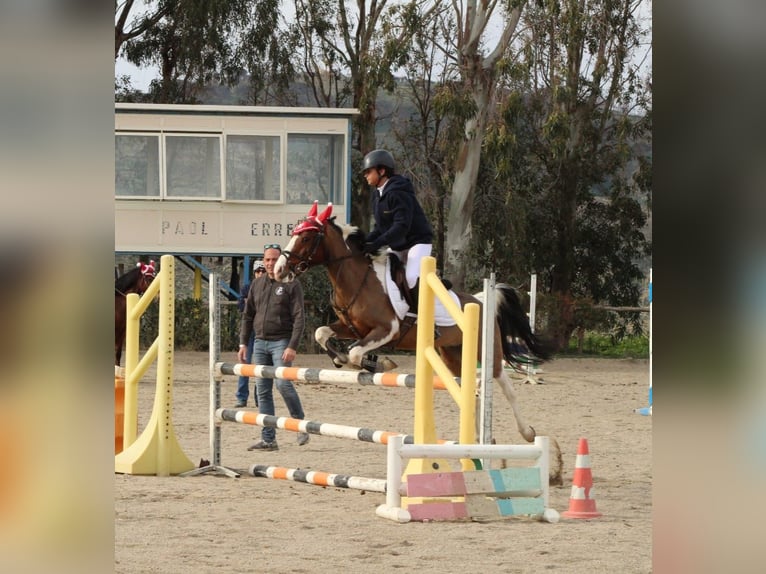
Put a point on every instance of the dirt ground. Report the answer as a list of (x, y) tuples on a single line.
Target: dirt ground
[(212, 523)]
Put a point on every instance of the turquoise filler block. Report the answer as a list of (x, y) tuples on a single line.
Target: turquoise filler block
[(515, 479), (518, 506)]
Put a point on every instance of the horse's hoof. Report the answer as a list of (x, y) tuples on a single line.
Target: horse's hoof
[(387, 364), (529, 434)]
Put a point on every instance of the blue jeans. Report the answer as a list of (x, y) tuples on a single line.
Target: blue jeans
[(243, 383), (270, 353)]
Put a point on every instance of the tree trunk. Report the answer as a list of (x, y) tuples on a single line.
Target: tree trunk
[(463, 188), (360, 208), (562, 276)]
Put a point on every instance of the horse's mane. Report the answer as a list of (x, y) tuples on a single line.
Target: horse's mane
[(127, 280), (352, 235)]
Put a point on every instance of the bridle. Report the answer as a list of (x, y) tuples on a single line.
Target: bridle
[(147, 271), (305, 261)]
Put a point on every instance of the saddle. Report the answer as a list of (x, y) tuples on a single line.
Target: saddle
[(399, 277)]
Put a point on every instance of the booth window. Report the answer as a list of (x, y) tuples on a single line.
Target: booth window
[(315, 168), (252, 167), (137, 165), (193, 166)]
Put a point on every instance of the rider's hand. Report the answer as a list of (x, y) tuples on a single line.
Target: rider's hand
[(371, 248)]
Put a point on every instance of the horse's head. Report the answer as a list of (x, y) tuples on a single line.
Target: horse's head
[(306, 247), (148, 273)]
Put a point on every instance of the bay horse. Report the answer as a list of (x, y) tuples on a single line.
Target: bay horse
[(137, 280), (367, 316)]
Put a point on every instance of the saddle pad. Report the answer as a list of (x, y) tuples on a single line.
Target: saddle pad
[(441, 317)]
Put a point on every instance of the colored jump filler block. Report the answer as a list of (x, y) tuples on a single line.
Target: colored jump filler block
[(483, 494), (581, 505)]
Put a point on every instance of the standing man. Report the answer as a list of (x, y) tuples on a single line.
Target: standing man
[(400, 221), (243, 383), (274, 313)]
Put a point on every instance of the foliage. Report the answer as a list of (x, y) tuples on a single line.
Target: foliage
[(607, 345), (192, 325), (196, 44), (347, 57), (565, 167)]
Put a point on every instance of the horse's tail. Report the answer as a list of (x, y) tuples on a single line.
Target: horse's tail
[(515, 329)]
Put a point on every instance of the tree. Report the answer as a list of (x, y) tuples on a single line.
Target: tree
[(477, 65), (197, 44), (429, 134), (573, 142), (348, 56), (140, 24)]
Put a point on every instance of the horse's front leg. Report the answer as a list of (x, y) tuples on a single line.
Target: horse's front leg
[(376, 338), (325, 335)]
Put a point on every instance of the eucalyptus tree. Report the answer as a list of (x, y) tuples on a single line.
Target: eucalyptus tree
[(348, 53), (197, 44), (484, 33), (574, 148), (129, 25), (427, 122)]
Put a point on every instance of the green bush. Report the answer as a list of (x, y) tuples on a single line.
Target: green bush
[(192, 326), (611, 346)]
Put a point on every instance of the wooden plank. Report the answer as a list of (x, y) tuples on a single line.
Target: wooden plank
[(437, 511), (520, 506), (480, 506), (516, 479), (436, 484)]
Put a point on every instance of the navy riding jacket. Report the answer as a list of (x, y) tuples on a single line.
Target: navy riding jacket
[(400, 221)]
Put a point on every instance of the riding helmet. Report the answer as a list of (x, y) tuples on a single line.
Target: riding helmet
[(379, 157)]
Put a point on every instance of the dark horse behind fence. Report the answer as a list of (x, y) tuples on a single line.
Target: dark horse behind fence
[(137, 280), (368, 317)]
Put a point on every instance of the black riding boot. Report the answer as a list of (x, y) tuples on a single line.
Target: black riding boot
[(414, 297)]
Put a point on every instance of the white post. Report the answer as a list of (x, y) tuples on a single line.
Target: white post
[(394, 469), (215, 377), (487, 363), (532, 305), (647, 410), (214, 316), (651, 399)]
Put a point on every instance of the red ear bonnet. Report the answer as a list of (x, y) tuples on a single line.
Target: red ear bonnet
[(147, 269), (325, 214), (312, 221)]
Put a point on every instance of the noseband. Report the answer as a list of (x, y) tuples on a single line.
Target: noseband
[(304, 262)]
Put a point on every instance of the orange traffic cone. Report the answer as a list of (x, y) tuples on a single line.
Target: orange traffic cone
[(581, 505)]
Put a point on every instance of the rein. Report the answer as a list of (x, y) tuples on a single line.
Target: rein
[(304, 262), (344, 311), (141, 289)]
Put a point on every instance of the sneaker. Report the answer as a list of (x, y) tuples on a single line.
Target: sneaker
[(240, 405), (303, 438), (263, 445)]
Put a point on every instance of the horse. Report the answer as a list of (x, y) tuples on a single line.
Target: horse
[(137, 280), (367, 316)]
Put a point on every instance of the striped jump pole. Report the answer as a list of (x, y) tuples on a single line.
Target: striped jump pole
[(313, 427), (319, 478), (313, 375)]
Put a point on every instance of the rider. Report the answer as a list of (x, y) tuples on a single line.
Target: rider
[(400, 222)]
